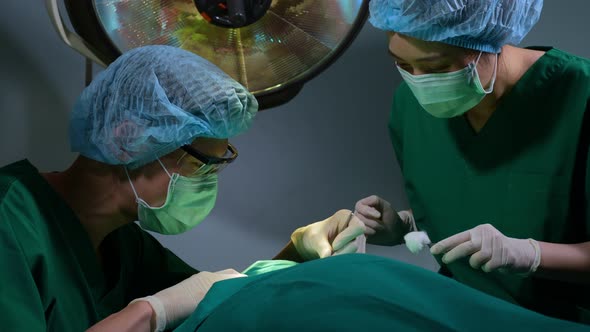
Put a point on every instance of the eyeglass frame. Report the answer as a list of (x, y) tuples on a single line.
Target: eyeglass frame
[(210, 160)]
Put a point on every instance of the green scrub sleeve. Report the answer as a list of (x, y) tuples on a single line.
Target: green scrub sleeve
[(21, 308)]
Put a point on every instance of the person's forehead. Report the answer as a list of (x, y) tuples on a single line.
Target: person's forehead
[(411, 49)]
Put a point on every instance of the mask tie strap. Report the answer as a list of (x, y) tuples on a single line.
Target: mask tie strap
[(478, 57), (180, 159), (164, 167)]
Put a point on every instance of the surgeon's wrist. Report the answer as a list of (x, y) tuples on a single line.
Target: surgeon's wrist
[(289, 253), (531, 258), (158, 312), (148, 313), (537, 257), (149, 310)]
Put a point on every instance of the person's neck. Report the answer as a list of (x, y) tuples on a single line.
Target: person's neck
[(92, 191), (513, 62)]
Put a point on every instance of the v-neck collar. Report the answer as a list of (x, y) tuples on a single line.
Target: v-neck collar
[(519, 90), (79, 245)]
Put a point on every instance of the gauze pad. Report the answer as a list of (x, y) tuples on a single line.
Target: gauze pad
[(416, 241)]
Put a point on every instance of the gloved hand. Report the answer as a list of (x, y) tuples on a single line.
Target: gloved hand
[(383, 225), (490, 250), (339, 234), (174, 304)]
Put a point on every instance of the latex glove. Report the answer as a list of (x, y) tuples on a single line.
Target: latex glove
[(383, 225), (174, 304), (490, 250), (339, 234)]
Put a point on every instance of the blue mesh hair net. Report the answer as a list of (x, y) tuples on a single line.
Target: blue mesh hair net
[(151, 101), (483, 25)]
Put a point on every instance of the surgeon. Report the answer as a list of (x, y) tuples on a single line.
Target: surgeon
[(152, 131), (493, 144)]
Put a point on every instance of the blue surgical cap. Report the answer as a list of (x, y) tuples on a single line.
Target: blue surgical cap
[(483, 25), (151, 101)]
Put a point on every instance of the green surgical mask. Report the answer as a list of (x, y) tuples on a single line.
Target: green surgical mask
[(188, 202), (446, 95)]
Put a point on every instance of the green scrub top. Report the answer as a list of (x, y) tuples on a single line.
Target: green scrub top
[(525, 172), (51, 278)]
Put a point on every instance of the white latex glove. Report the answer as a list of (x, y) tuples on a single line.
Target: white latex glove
[(490, 250), (383, 225), (174, 304), (339, 234)]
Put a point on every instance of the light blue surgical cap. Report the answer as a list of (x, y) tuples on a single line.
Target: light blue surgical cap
[(151, 101), (483, 25)]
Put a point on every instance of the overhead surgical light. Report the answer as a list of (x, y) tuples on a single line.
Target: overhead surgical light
[(272, 47)]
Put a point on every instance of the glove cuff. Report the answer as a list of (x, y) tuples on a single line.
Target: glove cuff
[(537, 259), (159, 311)]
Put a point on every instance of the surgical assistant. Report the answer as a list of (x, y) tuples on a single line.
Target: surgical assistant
[(493, 143)]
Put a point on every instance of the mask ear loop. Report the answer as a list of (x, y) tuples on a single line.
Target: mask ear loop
[(164, 167), (137, 199), (493, 80), (473, 64)]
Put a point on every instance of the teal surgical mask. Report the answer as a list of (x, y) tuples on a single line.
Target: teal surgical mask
[(188, 202), (446, 95)]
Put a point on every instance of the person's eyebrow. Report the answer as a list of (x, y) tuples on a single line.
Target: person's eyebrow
[(428, 58)]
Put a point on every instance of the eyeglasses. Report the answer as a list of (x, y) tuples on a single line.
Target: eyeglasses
[(211, 164)]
